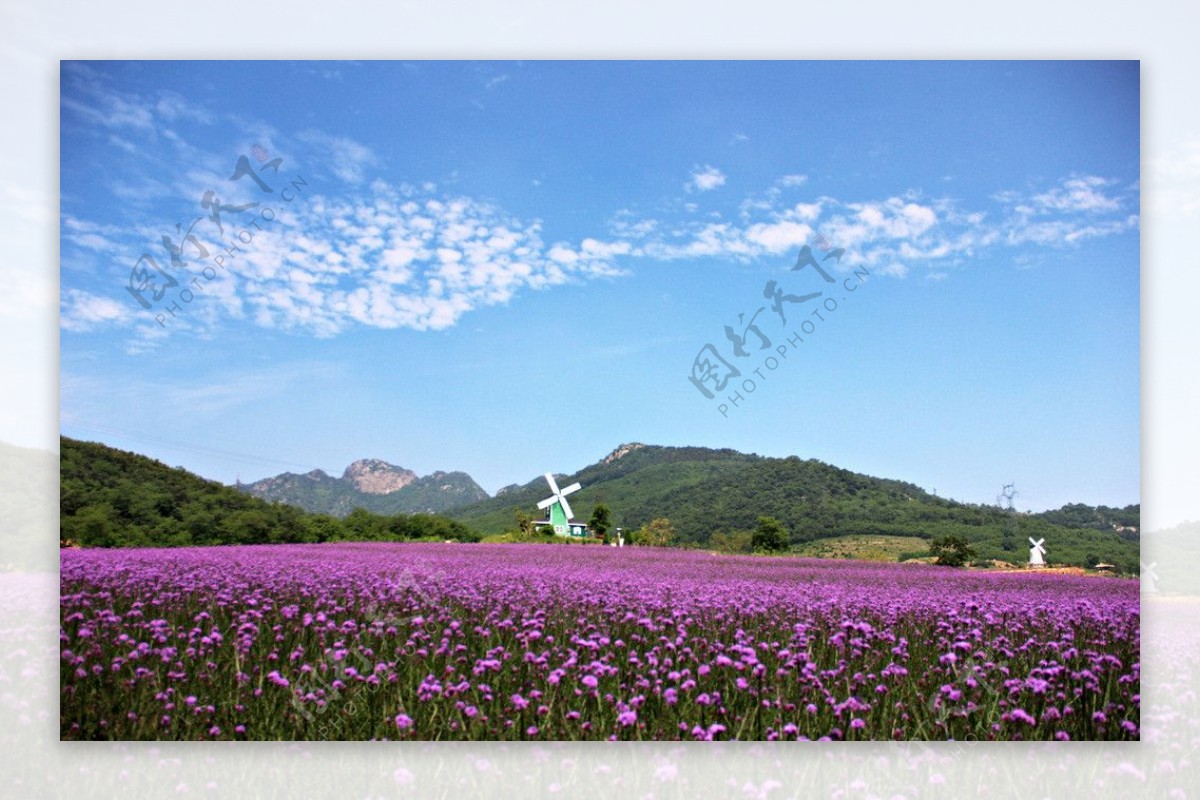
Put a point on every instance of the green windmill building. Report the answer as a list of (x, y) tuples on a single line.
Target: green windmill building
[(561, 519)]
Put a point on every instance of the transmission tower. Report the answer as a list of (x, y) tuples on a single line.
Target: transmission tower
[(1005, 501)]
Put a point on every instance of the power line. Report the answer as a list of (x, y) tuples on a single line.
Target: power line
[(219, 453)]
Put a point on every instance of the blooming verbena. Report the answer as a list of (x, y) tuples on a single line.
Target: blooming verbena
[(1021, 716), (564, 642)]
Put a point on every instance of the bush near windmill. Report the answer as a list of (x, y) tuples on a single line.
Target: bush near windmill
[(951, 551), (770, 536)]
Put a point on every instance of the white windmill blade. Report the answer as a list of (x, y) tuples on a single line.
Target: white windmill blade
[(566, 507), (547, 502), (571, 488), (553, 485)]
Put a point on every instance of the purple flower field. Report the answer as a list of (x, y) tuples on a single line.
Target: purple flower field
[(457, 642)]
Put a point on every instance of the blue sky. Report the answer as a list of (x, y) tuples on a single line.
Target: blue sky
[(508, 268)]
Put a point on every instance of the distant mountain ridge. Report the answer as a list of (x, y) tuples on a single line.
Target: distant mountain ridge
[(703, 491), (372, 484), (109, 497), (119, 498)]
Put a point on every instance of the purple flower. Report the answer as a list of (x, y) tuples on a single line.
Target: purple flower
[(1021, 716)]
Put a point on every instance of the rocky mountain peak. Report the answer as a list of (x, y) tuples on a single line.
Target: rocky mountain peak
[(622, 450), (377, 477)]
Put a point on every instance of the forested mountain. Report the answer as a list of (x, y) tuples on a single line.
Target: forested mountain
[(370, 484), (704, 491), (111, 497), (1127, 521)]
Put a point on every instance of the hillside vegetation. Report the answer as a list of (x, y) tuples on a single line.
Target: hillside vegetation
[(708, 492), (111, 497), (704, 498)]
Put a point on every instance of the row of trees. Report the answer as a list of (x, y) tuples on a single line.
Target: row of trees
[(770, 536), (103, 526)]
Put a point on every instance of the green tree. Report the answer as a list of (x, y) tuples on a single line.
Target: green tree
[(658, 533), (247, 527), (733, 542), (361, 525), (770, 536), (91, 526), (951, 551), (324, 528), (524, 522), (600, 519)]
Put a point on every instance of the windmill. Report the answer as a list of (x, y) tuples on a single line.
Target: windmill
[(560, 510), (1036, 553)]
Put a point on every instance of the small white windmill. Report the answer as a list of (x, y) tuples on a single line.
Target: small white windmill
[(1036, 552), (560, 510)]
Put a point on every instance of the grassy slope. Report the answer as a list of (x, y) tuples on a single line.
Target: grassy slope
[(882, 548)]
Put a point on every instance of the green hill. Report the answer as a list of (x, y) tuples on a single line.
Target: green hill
[(111, 497), (1126, 521), (704, 491)]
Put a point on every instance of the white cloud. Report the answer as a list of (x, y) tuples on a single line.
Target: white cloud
[(780, 236), (347, 158), (403, 255), (706, 178), (1078, 194), (896, 234), (172, 107), (83, 311)]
